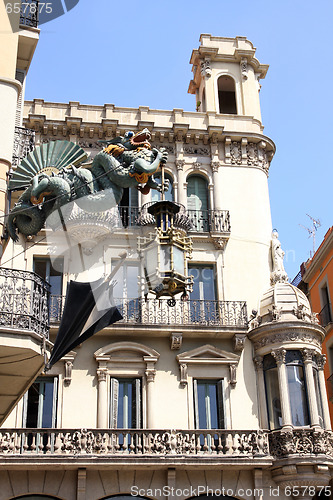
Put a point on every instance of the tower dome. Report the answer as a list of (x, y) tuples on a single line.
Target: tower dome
[(284, 302)]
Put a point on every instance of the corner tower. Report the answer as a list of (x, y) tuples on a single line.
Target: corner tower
[(226, 76)]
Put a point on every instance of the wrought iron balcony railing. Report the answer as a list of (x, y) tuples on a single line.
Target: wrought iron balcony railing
[(24, 142), (23, 301), (206, 313), (325, 315), (29, 13), (125, 442), (209, 221), (206, 221)]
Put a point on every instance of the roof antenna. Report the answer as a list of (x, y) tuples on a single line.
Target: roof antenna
[(312, 231)]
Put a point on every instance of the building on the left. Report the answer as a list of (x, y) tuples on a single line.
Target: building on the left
[(23, 325)]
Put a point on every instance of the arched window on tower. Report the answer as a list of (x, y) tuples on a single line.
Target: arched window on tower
[(227, 95), (197, 202)]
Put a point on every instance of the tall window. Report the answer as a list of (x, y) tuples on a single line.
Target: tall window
[(197, 202), (125, 404), (40, 411), (272, 392), (168, 195), (208, 404), (297, 390), (203, 304), (128, 207), (53, 274), (325, 314), (126, 290), (227, 95)]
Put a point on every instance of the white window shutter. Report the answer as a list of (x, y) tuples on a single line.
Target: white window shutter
[(196, 404), (20, 76)]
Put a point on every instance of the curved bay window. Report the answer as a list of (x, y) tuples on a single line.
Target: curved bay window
[(227, 95), (272, 392)]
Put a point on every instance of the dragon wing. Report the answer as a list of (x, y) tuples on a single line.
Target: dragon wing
[(50, 157)]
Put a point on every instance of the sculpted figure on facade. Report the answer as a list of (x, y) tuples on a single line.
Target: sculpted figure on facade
[(55, 177), (278, 273)]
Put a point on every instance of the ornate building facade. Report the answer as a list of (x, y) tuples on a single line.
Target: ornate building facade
[(188, 398)]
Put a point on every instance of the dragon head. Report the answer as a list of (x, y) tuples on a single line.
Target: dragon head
[(131, 140)]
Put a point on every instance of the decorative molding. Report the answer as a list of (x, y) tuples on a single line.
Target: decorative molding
[(258, 361), (279, 355), (196, 150), (243, 66), (287, 336), (300, 442), (176, 340), (205, 68), (102, 374), (180, 164), (321, 361), (275, 313), (207, 355), (307, 355), (150, 375), (300, 312), (215, 166), (239, 342)]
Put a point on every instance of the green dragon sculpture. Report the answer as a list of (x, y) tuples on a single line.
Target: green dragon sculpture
[(56, 178)]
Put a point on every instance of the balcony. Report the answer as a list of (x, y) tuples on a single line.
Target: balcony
[(156, 312), (230, 446), (24, 330), (24, 142), (29, 13), (23, 302)]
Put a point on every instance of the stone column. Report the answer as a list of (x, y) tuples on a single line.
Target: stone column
[(150, 378), (280, 357), (321, 360), (310, 386), (181, 193), (102, 409), (211, 197), (258, 361)]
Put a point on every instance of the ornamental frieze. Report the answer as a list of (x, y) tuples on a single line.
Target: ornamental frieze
[(292, 336), (247, 154)]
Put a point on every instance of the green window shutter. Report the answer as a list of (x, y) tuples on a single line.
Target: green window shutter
[(197, 193), (114, 386)]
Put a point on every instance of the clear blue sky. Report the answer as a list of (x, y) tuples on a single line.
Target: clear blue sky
[(137, 53)]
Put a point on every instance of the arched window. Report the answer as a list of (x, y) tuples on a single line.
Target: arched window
[(197, 202), (168, 195), (227, 95)]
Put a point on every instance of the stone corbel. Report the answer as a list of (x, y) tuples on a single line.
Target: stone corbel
[(68, 365), (233, 379), (239, 342), (183, 374), (150, 367), (244, 150), (227, 152), (243, 66), (176, 340)]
